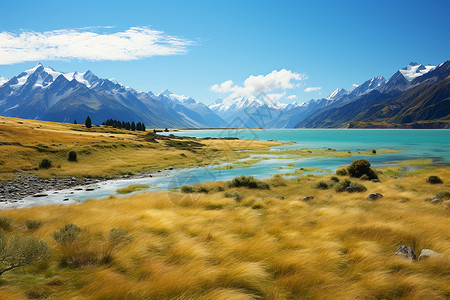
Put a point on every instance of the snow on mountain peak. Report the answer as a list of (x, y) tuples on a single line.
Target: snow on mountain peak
[(166, 93), (337, 93), (3, 80), (414, 70)]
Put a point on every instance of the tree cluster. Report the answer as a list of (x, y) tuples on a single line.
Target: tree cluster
[(125, 125)]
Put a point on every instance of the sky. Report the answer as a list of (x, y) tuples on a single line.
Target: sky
[(291, 50)]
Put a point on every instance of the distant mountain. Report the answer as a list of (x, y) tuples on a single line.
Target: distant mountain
[(45, 94), (249, 112), (401, 100)]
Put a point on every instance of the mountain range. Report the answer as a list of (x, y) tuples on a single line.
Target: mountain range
[(415, 96)]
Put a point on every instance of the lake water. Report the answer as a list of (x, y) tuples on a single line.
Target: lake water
[(418, 144)]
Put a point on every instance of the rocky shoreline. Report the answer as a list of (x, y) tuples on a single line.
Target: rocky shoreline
[(26, 185)]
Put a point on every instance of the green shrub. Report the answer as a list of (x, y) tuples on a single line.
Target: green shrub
[(33, 224), (72, 156), (364, 177), (355, 187), (45, 164), (321, 185), (68, 234), (434, 180), (334, 178), (342, 185), (17, 252), (201, 189), (443, 194), (6, 223), (249, 182), (187, 189), (236, 195), (342, 172), (374, 151), (361, 167)]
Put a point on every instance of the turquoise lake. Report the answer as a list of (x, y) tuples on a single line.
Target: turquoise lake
[(417, 144)]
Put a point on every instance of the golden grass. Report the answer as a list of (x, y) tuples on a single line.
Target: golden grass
[(207, 246), (133, 188), (102, 151)]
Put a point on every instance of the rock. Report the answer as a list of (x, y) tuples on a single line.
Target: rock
[(329, 197), (374, 196), (308, 198), (40, 195), (169, 168), (436, 200), (90, 189), (79, 189), (376, 180), (276, 196), (425, 253), (406, 252), (352, 189), (66, 199)]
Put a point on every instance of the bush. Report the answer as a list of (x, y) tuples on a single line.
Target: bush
[(68, 234), (119, 236), (321, 185), (33, 224), (236, 195), (341, 186), (355, 188), (187, 189), (443, 194), (365, 177), (45, 164), (6, 223), (334, 178), (16, 252), (342, 172), (434, 180), (72, 156), (361, 167), (374, 151), (249, 182)]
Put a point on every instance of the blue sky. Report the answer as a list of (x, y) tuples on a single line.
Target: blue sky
[(326, 44)]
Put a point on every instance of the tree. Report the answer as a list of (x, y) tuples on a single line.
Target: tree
[(72, 156), (88, 122), (128, 126), (133, 126), (17, 252), (75, 122), (143, 127), (138, 126)]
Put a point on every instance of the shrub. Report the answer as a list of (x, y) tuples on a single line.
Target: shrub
[(17, 252), (342, 172), (443, 194), (72, 156), (341, 186), (355, 188), (119, 236), (33, 224), (45, 164), (365, 177), (360, 167), (236, 195), (434, 180), (321, 185), (6, 223), (249, 182), (68, 234), (202, 189), (187, 189), (334, 178), (374, 151)]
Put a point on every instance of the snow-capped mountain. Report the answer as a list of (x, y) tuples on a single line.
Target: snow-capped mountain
[(414, 70), (247, 111), (367, 86), (337, 93), (45, 94), (3, 80)]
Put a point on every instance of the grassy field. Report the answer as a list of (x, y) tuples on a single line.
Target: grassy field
[(105, 151), (242, 243)]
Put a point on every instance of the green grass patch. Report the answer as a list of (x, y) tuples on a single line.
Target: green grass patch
[(132, 188), (413, 162)]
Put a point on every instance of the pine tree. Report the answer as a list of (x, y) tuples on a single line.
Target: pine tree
[(75, 122), (133, 126), (88, 122), (143, 127)]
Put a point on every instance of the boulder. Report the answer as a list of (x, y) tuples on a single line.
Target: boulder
[(425, 253), (374, 196), (436, 200), (40, 195), (406, 251)]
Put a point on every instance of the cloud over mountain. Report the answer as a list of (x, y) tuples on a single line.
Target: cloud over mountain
[(88, 44)]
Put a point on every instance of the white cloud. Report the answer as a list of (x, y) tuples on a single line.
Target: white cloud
[(313, 89), (262, 84), (292, 97), (86, 43)]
